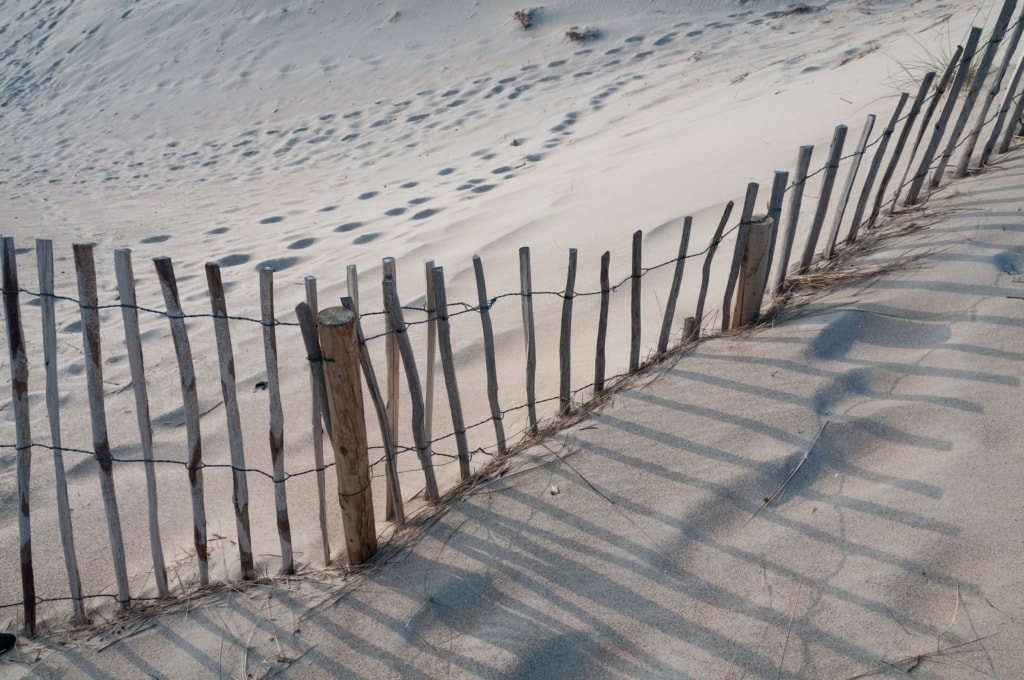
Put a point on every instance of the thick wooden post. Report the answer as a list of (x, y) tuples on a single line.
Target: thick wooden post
[(190, 403), (753, 272), (876, 165), (89, 305), (677, 280), (44, 261), (634, 301), (340, 346), (529, 336), (835, 153), (275, 434), (803, 163), (133, 341), (23, 431), (602, 325), (565, 339), (484, 305), (316, 417)]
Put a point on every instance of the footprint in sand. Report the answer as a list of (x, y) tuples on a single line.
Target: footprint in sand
[(365, 238), (348, 226), (301, 243)]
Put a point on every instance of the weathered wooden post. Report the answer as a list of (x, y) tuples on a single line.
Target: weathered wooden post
[(565, 339), (828, 181), (340, 345), (753, 271), (634, 301), (602, 325), (796, 199)]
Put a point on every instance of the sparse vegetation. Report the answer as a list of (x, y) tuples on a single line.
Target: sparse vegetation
[(577, 34), (525, 17)]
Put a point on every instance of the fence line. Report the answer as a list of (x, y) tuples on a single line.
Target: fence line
[(336, 391)]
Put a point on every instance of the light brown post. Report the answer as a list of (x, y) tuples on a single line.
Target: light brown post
[(130, 317), (677, 280), (737, 256), (316, 422), (602, 325), (876, 164), (240, 486), (529, 336), (23, 431), (565, 339), (753, 272), (89, 305), (444, 338), (276, 430), (491, 365), (44, 260), (775, 200), (844, 196), (190, 403), (340, 346), (634, 300), (705, 280), (796, 199), (835, 154)]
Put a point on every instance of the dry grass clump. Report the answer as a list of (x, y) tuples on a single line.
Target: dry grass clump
[(577, 34), (525, 17)]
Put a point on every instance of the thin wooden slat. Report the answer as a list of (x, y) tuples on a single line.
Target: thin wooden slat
[(317, 423), (428, 396), (275, 434), (636, 274), (775, 200), (565, 339), (190, 403), (529, 336), (1013, 125), (876, 165), (370, 376), (796, 199), (23, 430), (393, 308), (828, 181), (133, 342), (391, 375), (737, 257), (240, 485), (936, 98), (677, 281), (705, 280), (340, 343), (444, 338), (1012, 91), (44, 261), (981, 119), (602, 325), (85, 269), (352, 282), (844, 196), (753, 275), (484, 305), (901, 141)]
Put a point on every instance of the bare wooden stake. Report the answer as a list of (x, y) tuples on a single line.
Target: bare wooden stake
[(276, 430), (785, 250), (737, 257), (240, 486), (428, 397), (844, 196), (634, 301), (876, 165), (835, 154), (391, 375), (352, 282), (529, 336), (602, 325), (897, 152), (444, 337), (705, 280), (1012, 92), (753, 272), (133, 342), (998, 33), (44, 261), (779, 183), (380, 407), (337, 330), (412, 377), (565, 338), (23, 430), (190, 403), (313, 310), (1013, 125), (677, 281), (85, 269), (492, 369)]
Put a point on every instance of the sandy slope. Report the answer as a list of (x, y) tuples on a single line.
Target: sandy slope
[(316, 135)]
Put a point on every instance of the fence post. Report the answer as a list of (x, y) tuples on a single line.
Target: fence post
[(844, 197), (753, 271), (85, 269), (677, 280), (634, 301), (190, 404), (492, 369), (803, 162), (529, 336), (876, 164), (19, 396), (316, 421), (775, 200), (1018, 109), (444, 338), (565, 338), (276, 430), (391, 370), (1004, 110), (705, 281), (44, 261), (828, 181), (225, 355), (428, 385), (337, 329), (133, 342), (602, 325), (737, 255)]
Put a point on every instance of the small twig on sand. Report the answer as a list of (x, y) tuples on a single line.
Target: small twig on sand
[(792, 615), (908, 663), (782, 487)]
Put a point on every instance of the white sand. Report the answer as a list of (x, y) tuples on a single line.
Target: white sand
[(253, 135)]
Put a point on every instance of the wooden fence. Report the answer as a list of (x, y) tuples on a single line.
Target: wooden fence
[(949, 117)]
